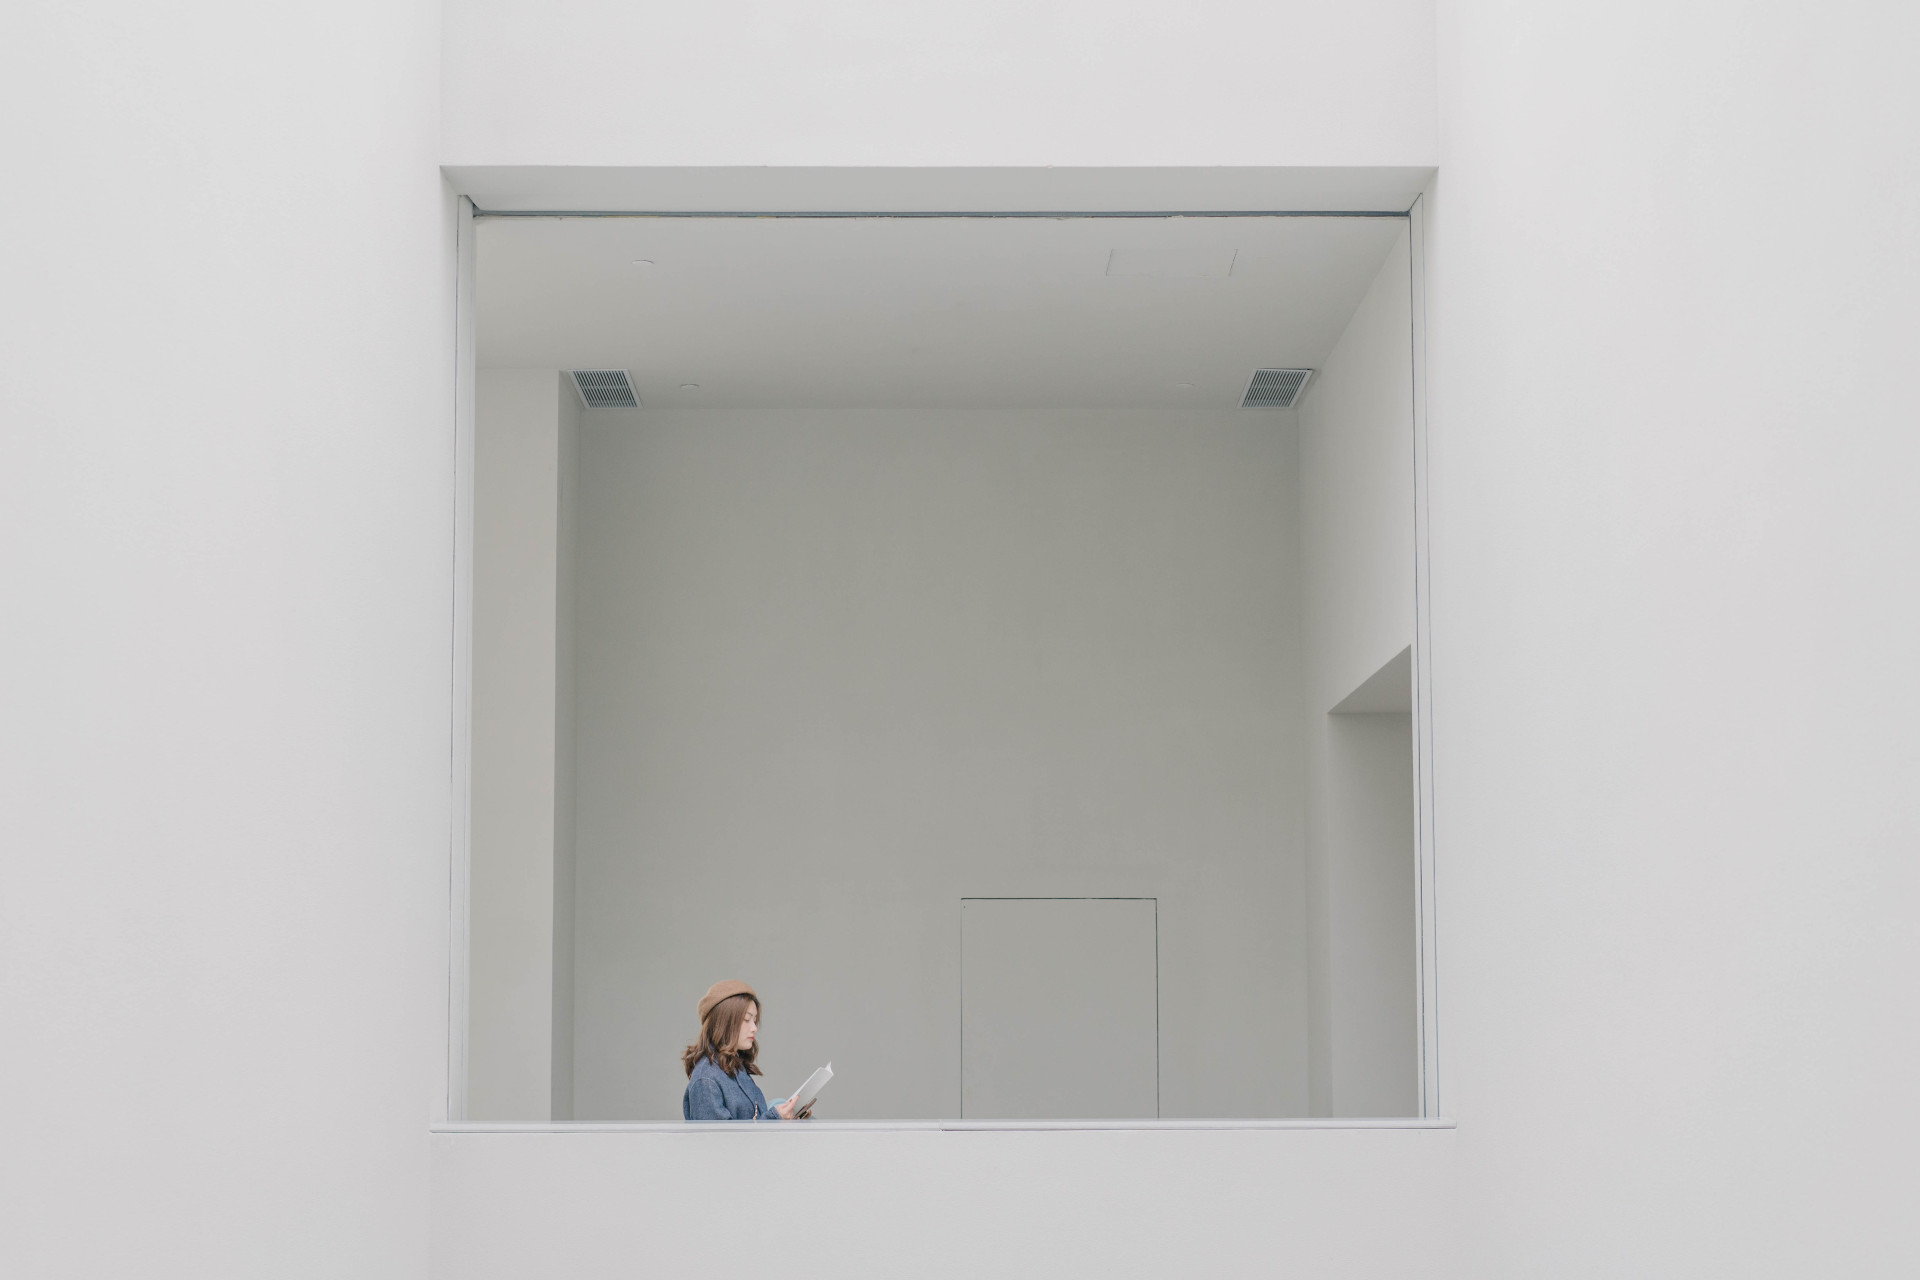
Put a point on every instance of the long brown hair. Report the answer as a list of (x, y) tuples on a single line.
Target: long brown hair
[(719, 1035)]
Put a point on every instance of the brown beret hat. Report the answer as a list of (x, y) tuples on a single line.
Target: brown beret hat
[(720, 991)]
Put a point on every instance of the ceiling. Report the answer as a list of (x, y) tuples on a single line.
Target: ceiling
[(942, 312)]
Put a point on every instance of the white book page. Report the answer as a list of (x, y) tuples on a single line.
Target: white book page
[(811, 1089)]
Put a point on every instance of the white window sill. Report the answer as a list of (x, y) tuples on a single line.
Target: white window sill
[(938, 1126)]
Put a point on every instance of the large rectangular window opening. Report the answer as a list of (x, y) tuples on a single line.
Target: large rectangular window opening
[(994, 639)]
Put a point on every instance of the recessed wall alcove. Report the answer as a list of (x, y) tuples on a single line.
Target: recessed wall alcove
[(938, 562)]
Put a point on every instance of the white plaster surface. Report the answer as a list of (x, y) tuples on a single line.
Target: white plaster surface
[(1357, 549), (839, 670), (225, 514), (1674, 600), (949, 83), (1372, 1049), (1356, 459), (566, 609), (521, 789), (952, 313), (1671, 300), (1674, 761)]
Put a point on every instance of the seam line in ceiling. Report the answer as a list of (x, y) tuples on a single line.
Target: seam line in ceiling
[(478, 212)]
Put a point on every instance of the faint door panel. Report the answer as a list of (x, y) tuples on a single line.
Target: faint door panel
[(1059, 1009)]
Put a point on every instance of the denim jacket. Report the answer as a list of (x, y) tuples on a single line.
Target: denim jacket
[(712, 1094)]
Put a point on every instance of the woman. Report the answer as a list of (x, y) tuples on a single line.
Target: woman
[(719, 1064)]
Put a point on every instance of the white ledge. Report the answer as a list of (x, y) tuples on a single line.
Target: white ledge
[(937, 1126), (939, 189)]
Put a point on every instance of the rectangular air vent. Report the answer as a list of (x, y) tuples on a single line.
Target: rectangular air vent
[(605, 389), (1275, 388)]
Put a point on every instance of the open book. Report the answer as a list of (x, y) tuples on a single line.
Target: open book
[(811, 1089)]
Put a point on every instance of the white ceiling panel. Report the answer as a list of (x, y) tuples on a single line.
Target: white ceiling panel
[(946, 312)]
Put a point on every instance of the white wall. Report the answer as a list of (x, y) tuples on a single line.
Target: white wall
[(1357, 545), (566, 607), (225, 515), (520, 1005), (1674, 263), (1356, 465), (839, 670), (516, 527), (1674, 761), (1372, 1028), (954, 83), (591, 1205), (1674, 702)]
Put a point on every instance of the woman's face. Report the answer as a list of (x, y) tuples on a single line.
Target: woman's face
[(749, 1025)]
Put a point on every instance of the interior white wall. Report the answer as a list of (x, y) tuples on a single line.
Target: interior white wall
[(1357, 546), (1672, 738), (837, 671), (1673, 680), (526, 424), (225, 508), (1350, 1203), (1671, 624), (566, 604), (956, 83), (1356, 463), (1372, 1050)]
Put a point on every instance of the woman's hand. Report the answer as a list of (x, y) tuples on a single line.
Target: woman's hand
[(785, 1111)]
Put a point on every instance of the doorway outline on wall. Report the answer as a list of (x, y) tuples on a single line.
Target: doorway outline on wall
[(1064, 898), (450, 1103)]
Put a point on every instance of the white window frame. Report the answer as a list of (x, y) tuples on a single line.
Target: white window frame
[(451, 1103)]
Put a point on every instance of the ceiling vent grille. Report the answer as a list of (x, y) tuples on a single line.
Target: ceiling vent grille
[(605, 389), (1275, 388)]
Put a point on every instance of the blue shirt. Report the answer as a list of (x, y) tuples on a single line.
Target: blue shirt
[(712, 1094)]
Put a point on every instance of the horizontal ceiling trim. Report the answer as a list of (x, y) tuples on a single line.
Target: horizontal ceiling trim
[(895, 213)]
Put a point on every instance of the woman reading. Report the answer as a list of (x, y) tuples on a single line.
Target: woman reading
[(720, 1070)]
